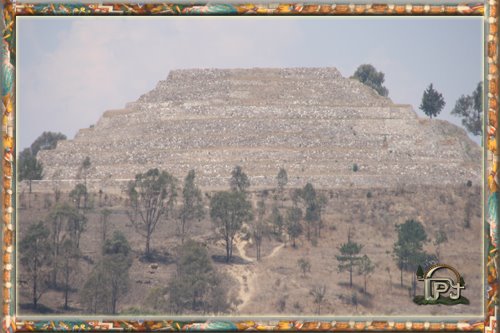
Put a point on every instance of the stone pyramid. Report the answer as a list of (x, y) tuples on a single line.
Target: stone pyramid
[(315, 123)]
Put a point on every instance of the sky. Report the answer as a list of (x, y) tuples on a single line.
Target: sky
[(72, 69)]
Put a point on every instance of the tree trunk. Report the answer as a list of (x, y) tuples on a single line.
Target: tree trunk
[(231, 249), (183, 224), (66, 289), (228, 252), (148, 241), (414, 284), (401, 269), (35, 277), (350, 275), (66, 286), (365, 285), (29, 196)]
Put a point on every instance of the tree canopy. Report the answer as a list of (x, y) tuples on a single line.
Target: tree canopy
[(239, 180), (109, 279), (197, 287), (228, 211), (293, 225), (192, 204), (368, 75), (349, 257), (46, 141), (29, 167), (432, 102), (282, 179), (470, 109), (408, 249), (63, 220), (36, 258), (151, 198)]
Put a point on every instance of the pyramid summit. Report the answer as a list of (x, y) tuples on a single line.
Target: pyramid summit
[(314, 122)]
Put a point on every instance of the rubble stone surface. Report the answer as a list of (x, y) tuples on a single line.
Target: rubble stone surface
[(311, 121)]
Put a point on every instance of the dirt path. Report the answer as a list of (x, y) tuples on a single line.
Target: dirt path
[(245, 274)]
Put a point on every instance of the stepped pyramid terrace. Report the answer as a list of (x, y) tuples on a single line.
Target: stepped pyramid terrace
[(314, 122)]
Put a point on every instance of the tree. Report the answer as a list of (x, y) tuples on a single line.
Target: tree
[(78, 194), (239, 180), (366, 268), (259, 227), (420, 272), (192, 204), (318, 292), (349, 257), (294, 228), (282, 179), (29, 167), (321, 202), (432, 102), (277, 220), (313, 205), (109, 279), (441, 238), (60, 216), (35, 256), (368, 75), (151, 199), (104, 219), (46, 141), (228, 211), (84, 170), (470, 109), (69, 261), (76, 226), (196, 287), (408, 247), (117, 256), (304, 266)]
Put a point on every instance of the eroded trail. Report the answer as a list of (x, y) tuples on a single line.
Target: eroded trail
[(245, 274)]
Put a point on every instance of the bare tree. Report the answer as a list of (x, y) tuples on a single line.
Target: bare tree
[(318, 292), (366, 268)]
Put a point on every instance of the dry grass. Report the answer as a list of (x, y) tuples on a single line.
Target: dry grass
[(275, 285)]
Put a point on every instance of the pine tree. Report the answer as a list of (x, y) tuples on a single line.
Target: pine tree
[(432, 102), (349, 257)]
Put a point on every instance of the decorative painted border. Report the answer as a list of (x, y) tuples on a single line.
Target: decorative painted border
[(246, 9), (10, 10)]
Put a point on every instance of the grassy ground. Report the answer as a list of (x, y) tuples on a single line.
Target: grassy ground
[(275, 285)]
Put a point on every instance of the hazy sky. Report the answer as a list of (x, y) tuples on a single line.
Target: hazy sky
[(72, 69)]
